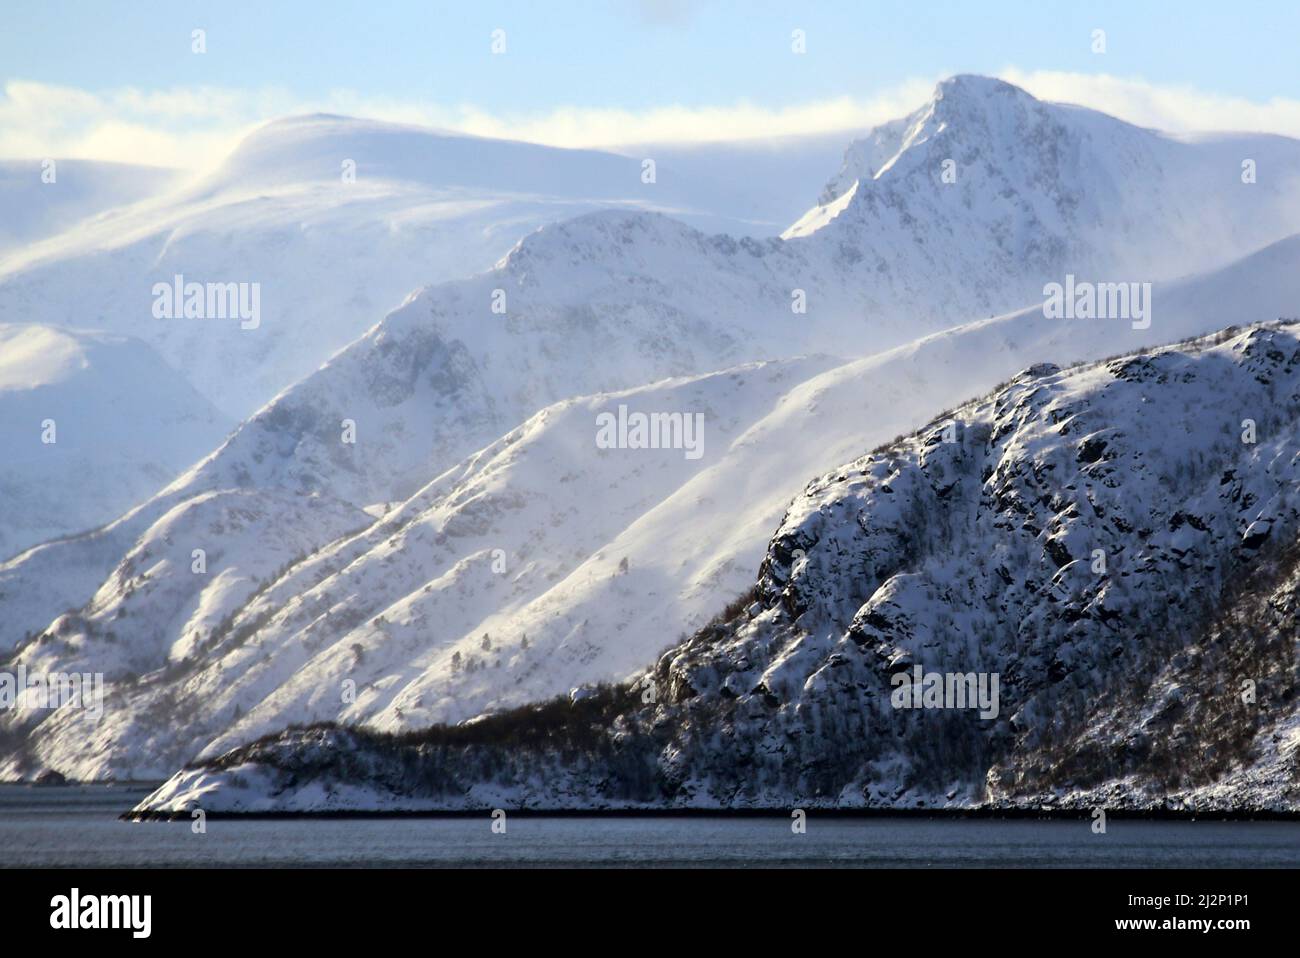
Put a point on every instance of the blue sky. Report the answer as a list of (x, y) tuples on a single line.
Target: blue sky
[(431, 62), (633, 54)]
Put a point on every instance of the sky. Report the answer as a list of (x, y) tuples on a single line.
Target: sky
[(120, 80)]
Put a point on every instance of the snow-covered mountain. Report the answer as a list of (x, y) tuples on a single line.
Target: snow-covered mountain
[(599, 568), (1043, 184), (90, 423), (325, 258), (1114, 544), (1038, 190), (612, 300), (605, 303), (336, 220), (489, 535)]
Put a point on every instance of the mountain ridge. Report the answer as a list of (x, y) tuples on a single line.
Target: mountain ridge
[(785, 699)]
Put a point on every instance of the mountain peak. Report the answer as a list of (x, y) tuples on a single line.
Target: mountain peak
[(969, 98), (968, 102), (973, 85)]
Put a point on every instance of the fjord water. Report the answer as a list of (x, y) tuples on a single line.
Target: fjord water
[(78, 827)]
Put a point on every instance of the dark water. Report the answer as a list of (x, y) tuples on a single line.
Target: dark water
[(78, 827)]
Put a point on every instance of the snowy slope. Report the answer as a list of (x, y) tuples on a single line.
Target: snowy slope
[(969, 551), (330, 257), (605, 302), (32, 209), (691, 538), (310, 149), (490, 534), (707, 537), (704, 540), (124, 422)]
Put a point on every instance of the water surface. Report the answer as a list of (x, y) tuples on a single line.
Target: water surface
[(77, 827)]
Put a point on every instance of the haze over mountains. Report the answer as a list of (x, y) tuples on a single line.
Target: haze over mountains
[(330, 254), (1046, 189), (474, 508), (91, 424), (44, 198), (329, 258)]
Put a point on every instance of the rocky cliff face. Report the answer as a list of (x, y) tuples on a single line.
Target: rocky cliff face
[(1112, 548)]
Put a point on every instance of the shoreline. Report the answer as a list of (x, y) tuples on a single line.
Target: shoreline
[(974, 814)]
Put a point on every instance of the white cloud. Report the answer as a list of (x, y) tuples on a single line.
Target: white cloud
[(1178, 109), (194, 127), (183, 127), (577, 126)]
